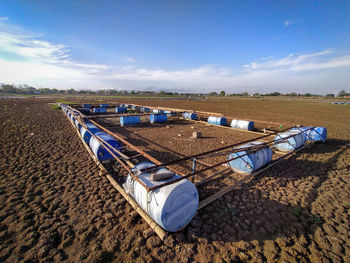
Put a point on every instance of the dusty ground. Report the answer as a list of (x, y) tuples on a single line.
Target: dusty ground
[(56, 207), (172, 140)]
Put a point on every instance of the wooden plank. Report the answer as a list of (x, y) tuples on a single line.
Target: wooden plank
[(156, 228)]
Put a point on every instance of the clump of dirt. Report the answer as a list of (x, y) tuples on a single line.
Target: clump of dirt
[(56, 207)]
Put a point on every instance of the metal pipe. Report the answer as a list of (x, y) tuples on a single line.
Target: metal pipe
[(208, 152), (105, 145), (118, 115), (149, 157), (251, 149)]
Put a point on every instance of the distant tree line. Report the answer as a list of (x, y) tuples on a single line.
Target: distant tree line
[(26, 89), (276, 93)]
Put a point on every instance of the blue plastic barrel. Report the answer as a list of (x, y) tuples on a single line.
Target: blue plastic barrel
[(87, 135), (104, 105), (172, 206), (189, 115), (99, 110), (296, 140), (134, 107), (217, 120), (99, 150), (252, 161), (244, 125), (129, 120), (77, 124), (121, 109), (86, 106), (158, 118), (315, 134), (144, 109)]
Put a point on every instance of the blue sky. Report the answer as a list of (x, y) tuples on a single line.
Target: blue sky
[(184, 46)]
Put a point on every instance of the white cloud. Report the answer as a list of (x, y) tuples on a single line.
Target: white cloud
[(41, 51), (286, 23), (4, 18), (130, 59), (31, 48), (293, 62), (33, 60), (313, 72)]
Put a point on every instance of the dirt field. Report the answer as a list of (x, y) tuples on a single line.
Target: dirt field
[(56, 207)]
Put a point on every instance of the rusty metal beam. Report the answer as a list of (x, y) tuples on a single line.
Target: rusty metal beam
[(106, 145), (213, 151), (249, 150), (152, 224), (117, 115)]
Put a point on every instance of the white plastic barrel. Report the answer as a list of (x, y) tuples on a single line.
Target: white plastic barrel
[(217, 120), (243, 125), (99, 150), (87, 135), (253, 160), (77, 124), (172, 206), (315, 134), (296, 140)]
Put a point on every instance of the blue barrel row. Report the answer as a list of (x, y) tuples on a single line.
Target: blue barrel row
[(291, 140), (88, 106), (87, 134), (122, 108), (297, 137), (172, 206), (237, 124)]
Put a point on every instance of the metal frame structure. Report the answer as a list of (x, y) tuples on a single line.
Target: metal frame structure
[(123, 157)]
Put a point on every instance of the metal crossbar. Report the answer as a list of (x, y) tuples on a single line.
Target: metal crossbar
[(207, 154), (212, 151), (249, 150), (110, 149)]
